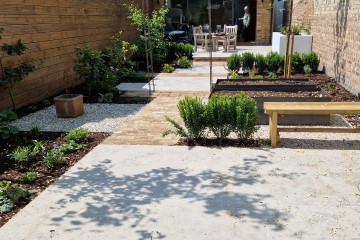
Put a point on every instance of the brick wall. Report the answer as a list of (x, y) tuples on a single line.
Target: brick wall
[(52, 29), (263, 22), (335, 26)]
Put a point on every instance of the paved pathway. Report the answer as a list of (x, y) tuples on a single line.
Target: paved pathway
[(147, 126)]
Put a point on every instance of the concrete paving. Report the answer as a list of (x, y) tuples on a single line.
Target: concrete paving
[(164, 192)]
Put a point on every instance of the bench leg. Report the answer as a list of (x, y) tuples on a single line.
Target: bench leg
[(274, 134)]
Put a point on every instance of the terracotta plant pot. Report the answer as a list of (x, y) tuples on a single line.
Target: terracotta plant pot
[(69, 105)]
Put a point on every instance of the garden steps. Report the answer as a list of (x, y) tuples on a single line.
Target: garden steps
[(147, 126)]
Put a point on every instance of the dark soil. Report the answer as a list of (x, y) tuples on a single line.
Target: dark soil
[(266, 82), (273, 94), (11, 171), (225, 143)]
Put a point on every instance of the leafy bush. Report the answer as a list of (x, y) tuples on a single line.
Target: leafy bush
[(245, 116), (91, 67), (6, 116), (35, 130), (192, 112), (248, 60), (156, 25), (168, 68), (13, 73), (260, 63), (69, 147), (234, 62), (28, 177), (177, 50), (297, 63), (39, 147), (183, 62), (312, 60), (234, 75), (106, 98), (78, 135), (10, 194), (46, 102), (54, 158), (252, 75), (219, 116), (272, 75), (273, 61), (307, 69), (21, 154)]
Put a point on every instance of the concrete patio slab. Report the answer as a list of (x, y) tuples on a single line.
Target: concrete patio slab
[(163, 192)]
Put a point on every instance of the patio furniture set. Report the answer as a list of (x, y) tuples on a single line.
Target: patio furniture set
[(211, 41)]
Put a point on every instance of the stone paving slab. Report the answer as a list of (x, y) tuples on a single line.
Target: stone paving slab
[(162, 192)]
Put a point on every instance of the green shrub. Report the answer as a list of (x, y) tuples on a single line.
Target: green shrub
[(177, 50), (35, 130), (281, 63), (297, 63), (273, 61), (183, 62), (248, 60), (69, 147), (46, 102), (10, 194), (192, 112), (234, 75), (245, 116), (6, 116), (252, 75), (307, 69), (28, 177), (54, 158), (219, 116), (168, 68), (234, 62), (106, 98), (260, 63), (272, 75), (78, 135), (312, 60), (21, 154), (39, 146)]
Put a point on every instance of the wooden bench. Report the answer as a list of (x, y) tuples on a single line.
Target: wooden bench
[(276, 109)]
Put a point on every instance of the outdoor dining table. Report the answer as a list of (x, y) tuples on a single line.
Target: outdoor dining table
[(215, 37)]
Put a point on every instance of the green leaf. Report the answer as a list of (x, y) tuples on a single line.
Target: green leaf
[(6, 205)]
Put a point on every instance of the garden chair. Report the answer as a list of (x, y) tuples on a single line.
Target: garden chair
[(199, 37), (230, 35)]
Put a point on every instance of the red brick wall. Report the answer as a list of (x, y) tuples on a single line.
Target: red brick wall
[(263, 22), (335, 26), (52, 29)]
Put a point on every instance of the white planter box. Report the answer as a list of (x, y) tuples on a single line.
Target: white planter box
[(302, 43)]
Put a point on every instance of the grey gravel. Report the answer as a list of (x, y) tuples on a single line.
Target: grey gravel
[(97, 118)]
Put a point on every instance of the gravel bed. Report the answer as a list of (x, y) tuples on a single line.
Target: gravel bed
[(97, 118)]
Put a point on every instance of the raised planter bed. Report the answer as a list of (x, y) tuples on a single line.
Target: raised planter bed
[(278, 91), (302, 43)]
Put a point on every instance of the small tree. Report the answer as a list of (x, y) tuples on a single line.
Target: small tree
[(13, 73)]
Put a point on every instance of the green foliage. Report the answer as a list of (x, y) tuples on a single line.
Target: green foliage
[(234, 62), (183, 62), (54, 158), (330, 88), (248, 60), (245, 116), (91, 67), (6, 116), (282, 29), (21, 154), (219, 116), (297, 63), (35, 130), (39, 146), (177, 50), (46, 102), (192, 112), (78, 135), (296, 29), (168, 68), (10, 194), (273, 61), (106, 98), (234, 75), (272, 75), (252, 75), (28, 177), (69, 147), (156, 25), (307, 69), (260, 63), (13, 73), (312, 60)]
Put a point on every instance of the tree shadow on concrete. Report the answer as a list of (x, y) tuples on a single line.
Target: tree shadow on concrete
[(341, 44), (127, 201)]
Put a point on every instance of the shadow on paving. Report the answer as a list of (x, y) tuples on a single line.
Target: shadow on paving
[(120, 201)]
